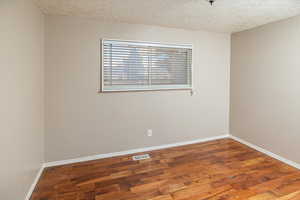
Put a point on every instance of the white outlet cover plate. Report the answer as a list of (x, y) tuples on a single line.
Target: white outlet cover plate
[(149, 132)]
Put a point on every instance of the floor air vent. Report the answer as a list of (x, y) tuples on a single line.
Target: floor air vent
[(141, 157)]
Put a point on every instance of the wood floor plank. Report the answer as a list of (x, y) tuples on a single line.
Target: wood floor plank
[(263, 196), (217, 170), (291, 196)]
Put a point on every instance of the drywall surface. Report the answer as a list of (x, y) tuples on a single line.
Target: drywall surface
[(265, 87), (81, 122), (22, 96)]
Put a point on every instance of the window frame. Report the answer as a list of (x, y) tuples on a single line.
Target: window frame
[(152, 88)]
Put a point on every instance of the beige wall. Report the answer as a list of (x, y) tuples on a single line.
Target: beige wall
[(81, 122), (21, 102), (265, 87)]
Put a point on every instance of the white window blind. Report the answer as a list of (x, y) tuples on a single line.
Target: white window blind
[(130, 66)]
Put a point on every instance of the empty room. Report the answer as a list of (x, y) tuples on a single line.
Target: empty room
[(150, 99)]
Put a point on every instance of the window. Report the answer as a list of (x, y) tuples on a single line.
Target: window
[(133, 66)]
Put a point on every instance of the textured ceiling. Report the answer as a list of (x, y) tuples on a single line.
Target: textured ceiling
[(224, 16)]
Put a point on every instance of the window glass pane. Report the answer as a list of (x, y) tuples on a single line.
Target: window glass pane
[(130, 66)]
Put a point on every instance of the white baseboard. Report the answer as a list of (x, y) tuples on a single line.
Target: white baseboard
[(269, 153), (122, 153), (32, 187)]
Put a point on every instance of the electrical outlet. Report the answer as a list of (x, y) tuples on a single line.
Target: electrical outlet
[(149, 132)]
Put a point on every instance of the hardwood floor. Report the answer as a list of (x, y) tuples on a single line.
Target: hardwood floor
[(218, 170)]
